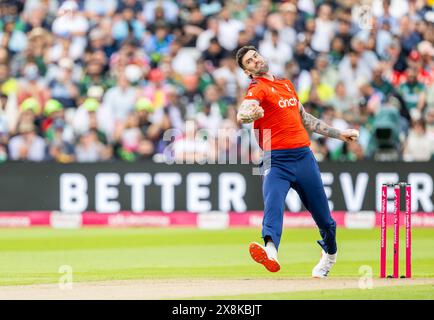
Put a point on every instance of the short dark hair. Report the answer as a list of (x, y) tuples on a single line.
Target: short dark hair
[(241, 52)]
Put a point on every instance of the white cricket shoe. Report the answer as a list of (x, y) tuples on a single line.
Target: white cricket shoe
[(261, 255), (324, 265)]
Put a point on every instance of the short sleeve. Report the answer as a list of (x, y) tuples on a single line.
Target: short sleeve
[(255, 92)]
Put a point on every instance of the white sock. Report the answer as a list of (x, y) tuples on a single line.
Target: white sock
[(332, 257), (271, 250)]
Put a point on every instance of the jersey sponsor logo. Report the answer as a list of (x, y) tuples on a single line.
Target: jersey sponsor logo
[(287, 87), (286, 103), (267, 171)]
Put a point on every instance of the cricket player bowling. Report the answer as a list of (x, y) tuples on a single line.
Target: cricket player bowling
[(282, 125)]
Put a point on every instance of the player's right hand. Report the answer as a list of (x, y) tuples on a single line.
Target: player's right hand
[(257, 112), (249, 115)]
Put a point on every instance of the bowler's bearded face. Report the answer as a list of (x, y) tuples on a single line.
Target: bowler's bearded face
[(254, 64)]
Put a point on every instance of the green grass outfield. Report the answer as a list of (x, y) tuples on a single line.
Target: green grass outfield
[(34, 256), (416, 292)]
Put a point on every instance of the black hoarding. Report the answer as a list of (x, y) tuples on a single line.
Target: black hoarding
[(114, 186)]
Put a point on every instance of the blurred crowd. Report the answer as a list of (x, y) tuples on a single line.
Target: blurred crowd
[(96, 80)]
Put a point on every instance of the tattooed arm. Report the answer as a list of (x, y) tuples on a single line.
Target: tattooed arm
[(249, 111), (315, 125)]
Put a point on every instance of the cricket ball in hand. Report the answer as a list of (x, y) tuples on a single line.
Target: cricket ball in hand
[(355, 135)]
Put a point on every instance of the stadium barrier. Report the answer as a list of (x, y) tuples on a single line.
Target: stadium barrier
[(209, 220), (113, 187)]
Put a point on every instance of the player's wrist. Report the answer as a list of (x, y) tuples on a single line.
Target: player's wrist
[(244, 119)]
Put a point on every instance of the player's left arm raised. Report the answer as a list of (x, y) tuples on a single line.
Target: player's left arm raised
[(315, 125)]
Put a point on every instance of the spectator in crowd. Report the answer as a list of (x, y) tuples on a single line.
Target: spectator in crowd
[(183, 63), (11, 37), (213, 111), (318, 93), (386, 16), (372, 97), (228, 29), (63, 88), (319, 149), (408, 35), (396, 62), (214, 53), (204, 38), (135, 5), (120, 99), (426, 50), (38, 14), (384, 39), (80, 118), (288, 33), (337, 51), (351, 69), (99, 40), (380, 83), (94, 9), (27, 145), (30, 110), (9, 112), (415, 62), (343, 36), (31, 85), (249, 35), (90, 149), (226, 78), (72, 25), (156, 89), (194, 25), (204, 71), (158, 44), (418, 146), (130, 141), (276, 52), (413, 93), (8, 84), (59, 149), (352, 151), (191, 98), (429, 121), (192, 146), (94, 75), (360, 45), (328, 73), (341, 102), (303, 55), (226, 142), (38, 42), (154, 124), (129, 27), (329, 117), (324, 29), (160, 10), (170, 116), (4, 128)]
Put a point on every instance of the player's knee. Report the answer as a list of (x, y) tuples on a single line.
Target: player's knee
[(328, 225), (332, 225), (328, 229)]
